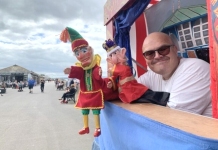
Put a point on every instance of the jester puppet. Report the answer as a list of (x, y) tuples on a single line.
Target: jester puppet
[(129, 89), (93, 89)]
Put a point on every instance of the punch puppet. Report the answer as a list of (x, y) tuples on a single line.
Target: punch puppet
[(93, 89), (130, 90)]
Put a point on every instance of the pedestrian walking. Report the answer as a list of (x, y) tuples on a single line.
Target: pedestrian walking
[(31, 84), (42, 85)]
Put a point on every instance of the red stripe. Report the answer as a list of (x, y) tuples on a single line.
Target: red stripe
[(78, 43), (140, 36), (154, 2), (213, 66)]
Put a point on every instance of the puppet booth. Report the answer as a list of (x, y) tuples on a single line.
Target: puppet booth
[(193, 26)]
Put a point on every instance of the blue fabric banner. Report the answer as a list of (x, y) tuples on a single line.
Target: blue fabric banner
[(125, 130)]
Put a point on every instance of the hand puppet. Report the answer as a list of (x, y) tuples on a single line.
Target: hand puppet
[(129, 89)]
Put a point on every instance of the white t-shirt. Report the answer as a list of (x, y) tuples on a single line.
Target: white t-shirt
[(189, 86)]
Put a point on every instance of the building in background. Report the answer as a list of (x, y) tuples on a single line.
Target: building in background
[(17, 73)]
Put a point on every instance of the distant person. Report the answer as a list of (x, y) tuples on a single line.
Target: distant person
[(42, 85), (30, 85), (56, 82), (60, 85), (14, 85), (20, 86), (69, 91), (71, 82)]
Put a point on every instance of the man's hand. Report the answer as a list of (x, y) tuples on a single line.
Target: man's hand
[(109, 84), (67, 71)]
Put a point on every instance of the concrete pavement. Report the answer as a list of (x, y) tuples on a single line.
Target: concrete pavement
[(39, 122)]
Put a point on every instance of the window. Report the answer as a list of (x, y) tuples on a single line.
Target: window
[(205, 33), (196, 29), (187, 31), (205, 26), (188, 37), (206, 40), (197, 35), (183, 45), (190, 43), (198, 42)]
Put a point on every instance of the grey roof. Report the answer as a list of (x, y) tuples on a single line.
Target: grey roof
[(15, 69)]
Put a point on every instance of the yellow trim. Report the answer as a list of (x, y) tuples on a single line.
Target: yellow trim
[(96, 60), (112, 70), (102, 99), (79, 46), (127, 79)]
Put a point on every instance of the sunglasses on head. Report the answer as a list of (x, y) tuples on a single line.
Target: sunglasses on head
[(163, 50)]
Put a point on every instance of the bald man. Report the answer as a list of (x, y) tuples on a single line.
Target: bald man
[(186, 79)]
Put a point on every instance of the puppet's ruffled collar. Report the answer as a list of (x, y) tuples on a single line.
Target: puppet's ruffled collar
[(96, 60)]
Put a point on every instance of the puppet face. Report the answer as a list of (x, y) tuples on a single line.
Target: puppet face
[(117, 57), (114, 57), (84, 55)]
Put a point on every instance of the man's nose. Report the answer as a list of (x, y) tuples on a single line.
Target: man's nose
[(157, 55)]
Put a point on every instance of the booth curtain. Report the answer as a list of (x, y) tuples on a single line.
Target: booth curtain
[(123, 23)]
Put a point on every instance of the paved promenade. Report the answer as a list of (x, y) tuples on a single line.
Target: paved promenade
[(39, 122)]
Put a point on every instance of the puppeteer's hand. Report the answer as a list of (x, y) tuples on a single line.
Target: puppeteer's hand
[(109, 84), (67, 71)]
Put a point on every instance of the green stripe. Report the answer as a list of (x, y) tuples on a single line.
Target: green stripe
[(88, 79)]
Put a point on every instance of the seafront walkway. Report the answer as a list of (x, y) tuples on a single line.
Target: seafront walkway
[(38, 121)]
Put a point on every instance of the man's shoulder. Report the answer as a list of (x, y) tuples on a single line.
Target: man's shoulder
[(150, 75), (193, 66), (193, 61)]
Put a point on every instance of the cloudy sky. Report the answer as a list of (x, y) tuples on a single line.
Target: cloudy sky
[(30, 32)]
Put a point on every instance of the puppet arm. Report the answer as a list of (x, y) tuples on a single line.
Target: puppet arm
[(67, 71), (76, 72), (112, 80)]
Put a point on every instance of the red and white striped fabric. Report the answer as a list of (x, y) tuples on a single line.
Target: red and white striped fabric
[(138, 33)]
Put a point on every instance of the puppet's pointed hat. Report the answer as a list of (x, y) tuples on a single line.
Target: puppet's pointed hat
[(69, 34)]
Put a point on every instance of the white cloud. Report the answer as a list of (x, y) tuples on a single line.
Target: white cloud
[(30, 33)]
